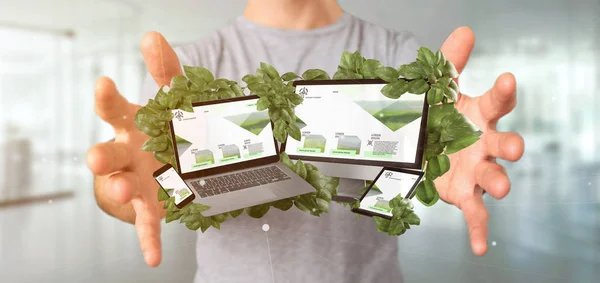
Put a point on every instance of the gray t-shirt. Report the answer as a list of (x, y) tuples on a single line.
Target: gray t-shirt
[(298, 247)]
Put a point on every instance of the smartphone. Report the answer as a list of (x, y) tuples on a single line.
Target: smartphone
[(168, 179), (388, 184)]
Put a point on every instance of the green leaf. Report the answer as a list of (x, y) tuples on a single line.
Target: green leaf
[(437, 166), (163, 156), (153, 104), (172, 215), (395, 90), (220, 218), (186, 105), (289, 76), (252, 80), (396, 202), (300, 169), (453, 86), (396, 227), (324, 194), (454, 126), (425, 55), (173, 99), (274, 112), (295, 98), (388, 74), (205, 224), (294, 131), (450, 70), (198, 75), (418, 86), (302, 207), (284, 204), (440, 60), (193, 225), (381, 223), (461, 143), (411, 71), (412, 219), (269, 70), (322, 205), (286, 115), (213, 223), (161, 98), (315, 74), (179, 83), (236, 213), (434, 95), (223, 93), (279, 131), (369, 69), (258, 211), (344, 74), (162, 195), (426, 193), (237, 90), (285, 159), (349, 61), (198, 208), (263, 103), (159, 143), (439, 112)]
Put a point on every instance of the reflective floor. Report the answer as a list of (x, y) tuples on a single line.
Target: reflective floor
[(546, 230)]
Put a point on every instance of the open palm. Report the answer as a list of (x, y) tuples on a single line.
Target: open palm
[(473, 169)]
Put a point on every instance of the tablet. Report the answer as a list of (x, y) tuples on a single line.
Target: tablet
[(390, 183)]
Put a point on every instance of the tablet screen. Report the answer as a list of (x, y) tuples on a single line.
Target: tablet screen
[(388, 185)]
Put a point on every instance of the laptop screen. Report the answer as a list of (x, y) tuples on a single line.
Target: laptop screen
[(222, 134), (355, 123)]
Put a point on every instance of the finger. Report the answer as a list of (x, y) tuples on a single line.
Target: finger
[(147, 225), (111, 106), (161, 59), (107, 158), (492, 177), (123, 187), (505, 145), (458, 46), (499, 100), (477, 218)]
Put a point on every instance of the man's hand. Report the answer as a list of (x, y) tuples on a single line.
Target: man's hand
[(473, 169), (124, 186)]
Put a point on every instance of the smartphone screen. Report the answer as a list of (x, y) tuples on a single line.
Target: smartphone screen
[(388, 185), (170, 179)]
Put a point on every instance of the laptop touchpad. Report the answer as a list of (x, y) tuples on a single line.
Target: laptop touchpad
[(256, 196)]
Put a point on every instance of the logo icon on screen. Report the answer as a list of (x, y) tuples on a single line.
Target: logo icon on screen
[(179, 115), (388, 174), (303, 91)]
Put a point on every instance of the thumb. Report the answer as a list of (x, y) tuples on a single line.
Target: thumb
[(161, 60), (457, 48)]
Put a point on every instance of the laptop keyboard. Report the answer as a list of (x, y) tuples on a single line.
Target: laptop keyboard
[(236, 181)]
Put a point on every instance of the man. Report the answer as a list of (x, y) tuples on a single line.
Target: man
[(336, 247)]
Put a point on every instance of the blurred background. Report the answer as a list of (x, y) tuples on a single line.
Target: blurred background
[(546, 230)]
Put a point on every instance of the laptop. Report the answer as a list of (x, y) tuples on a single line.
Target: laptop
[(351, 130), (225, 151)]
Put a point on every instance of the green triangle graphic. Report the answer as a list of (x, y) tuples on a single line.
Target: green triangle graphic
[(254, 122), (182, 145), (393, 114)]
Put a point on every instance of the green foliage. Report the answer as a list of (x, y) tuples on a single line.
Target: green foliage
[(403, 216), (430, 74)]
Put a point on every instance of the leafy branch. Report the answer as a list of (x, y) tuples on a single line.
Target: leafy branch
[(431, 74)]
